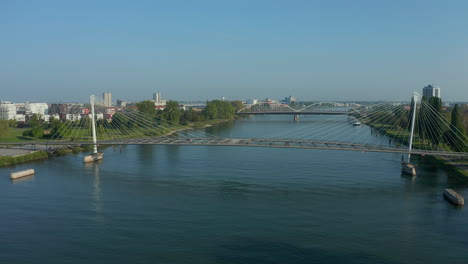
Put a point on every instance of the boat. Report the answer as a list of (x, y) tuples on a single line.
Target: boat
[(408, 168), (357, 123), (93, 157)]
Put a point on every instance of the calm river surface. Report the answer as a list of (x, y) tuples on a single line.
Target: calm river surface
[(202, 204)]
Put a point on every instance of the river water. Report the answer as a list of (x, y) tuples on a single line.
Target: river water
[(206, 204)]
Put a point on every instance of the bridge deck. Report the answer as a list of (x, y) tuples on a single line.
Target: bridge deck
[(272, 143)]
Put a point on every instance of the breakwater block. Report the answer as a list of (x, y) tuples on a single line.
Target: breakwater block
[(93, 157), (453, 197), (20, 174)]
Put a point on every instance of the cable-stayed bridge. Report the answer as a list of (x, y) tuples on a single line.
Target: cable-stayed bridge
[(386, 127)]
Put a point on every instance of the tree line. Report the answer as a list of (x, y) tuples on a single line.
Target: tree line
[(172, 114)]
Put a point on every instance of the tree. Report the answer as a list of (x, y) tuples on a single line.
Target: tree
[(172, 112), (238, 105), (456, 138), (147, 107), (4, 128), (435, 120), (34, 120), (85, 122), (211, 111), (37, 132), (421, 122), (120, 121), (219, 109), (191, 116)]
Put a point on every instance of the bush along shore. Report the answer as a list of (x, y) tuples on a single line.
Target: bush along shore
[(9, 160)]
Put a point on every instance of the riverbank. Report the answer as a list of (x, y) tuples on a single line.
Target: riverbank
[(9, 156), (35, 155), (454, 167)]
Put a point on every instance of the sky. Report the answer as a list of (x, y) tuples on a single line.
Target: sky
[(64, 51)]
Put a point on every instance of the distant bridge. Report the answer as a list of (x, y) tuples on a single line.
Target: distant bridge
[(322, 108), (295, 113)]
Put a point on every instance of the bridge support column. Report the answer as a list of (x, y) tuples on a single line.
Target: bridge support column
[(296, 118)]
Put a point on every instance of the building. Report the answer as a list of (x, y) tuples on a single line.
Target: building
[(73, 117), (252, 101), (36, 108), (47, 118), (157, 97), (431, 91), (58, 108), (20, 118), (7, 110), (289, 100), (121, 103), (159, 103), (107, 97)]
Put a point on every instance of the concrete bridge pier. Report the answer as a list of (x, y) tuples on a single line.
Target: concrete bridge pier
[(296, 118)]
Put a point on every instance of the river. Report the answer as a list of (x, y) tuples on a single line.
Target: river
[(214, 204)]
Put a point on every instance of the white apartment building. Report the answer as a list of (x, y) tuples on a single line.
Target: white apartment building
[(20, 118), (46, 118), (7, 110), (97, 116), (36, 108), (107, 97)]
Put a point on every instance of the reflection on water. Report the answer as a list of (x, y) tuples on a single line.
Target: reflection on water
[(23, 179), (94, 167)]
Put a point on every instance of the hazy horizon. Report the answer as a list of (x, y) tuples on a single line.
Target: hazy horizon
[(193, 51)]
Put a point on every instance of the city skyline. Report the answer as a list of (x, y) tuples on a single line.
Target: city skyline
[(338, 51)]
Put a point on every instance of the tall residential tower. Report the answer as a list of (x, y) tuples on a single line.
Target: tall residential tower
[(431, 91), (107, 99)]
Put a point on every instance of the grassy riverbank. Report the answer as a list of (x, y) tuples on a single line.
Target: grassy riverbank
[(9, 160), (455, 167), (452, 167), (15, 135)]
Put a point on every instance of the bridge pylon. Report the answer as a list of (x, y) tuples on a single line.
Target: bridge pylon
[(96, 155)]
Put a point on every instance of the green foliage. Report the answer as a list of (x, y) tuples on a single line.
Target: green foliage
[(435, 122), (190, 115), (120, 121), (76, 150), (37, 132), (455, 137), (147, 107), (12, 123), (61, 152), (171, 112), (7, 160), (4, 128), (88, 148), (85, 122), (34, 120), (238, 105), (218, 109)]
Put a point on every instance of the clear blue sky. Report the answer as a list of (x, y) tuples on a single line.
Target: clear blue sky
[(314, 50)]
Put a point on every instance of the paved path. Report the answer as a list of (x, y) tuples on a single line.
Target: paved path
[(14, 151)]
